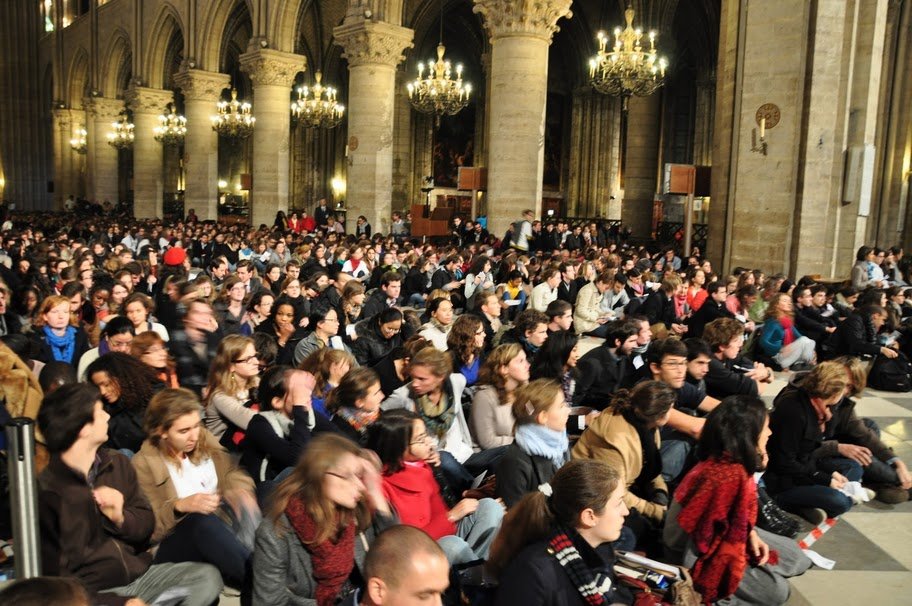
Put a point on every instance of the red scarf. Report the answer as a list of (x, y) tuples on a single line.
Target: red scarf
[(354, 263), (788, 325), (718, 510), (333, 561)]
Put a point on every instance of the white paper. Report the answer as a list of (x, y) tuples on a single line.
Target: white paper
[(479, 479), (638, 362), (855, 491), (336, 342), (819, 560)]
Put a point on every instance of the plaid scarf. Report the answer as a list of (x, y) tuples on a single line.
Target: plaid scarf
[(592, 587)]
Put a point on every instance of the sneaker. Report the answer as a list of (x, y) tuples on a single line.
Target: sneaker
[(814, 515), (892, 495)]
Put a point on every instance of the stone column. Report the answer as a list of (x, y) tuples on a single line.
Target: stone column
[(272, 72), (148, 185), (373, 50), (64, 166), (201, 90), (703, 117), (101, 158), (521, 32), (593, 154), (641, 163)]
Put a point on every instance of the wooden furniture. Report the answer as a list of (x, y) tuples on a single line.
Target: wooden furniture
[(435, 223)]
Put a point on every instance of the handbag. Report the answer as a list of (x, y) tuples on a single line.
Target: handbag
[(647, 592)]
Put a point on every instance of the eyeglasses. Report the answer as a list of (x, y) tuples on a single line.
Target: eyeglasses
[(246, 360), (120, 343)]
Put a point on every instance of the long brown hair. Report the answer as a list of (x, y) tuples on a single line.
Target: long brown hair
[(320, 363), (579, 485), (461, 338), (306, 482), (221, 377), (164, 409), (490, 371), (534, 398)]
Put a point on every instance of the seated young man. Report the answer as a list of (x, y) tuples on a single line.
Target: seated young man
[(712, 309), (602, 370), (560, 316), (529, 330), (730, 373), (95, 521), (808, 318)]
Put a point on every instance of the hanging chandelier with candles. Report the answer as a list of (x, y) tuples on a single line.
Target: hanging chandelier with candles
[(316, 106), (627, 69), (234, 119), (437, 92), (121, 136), (171, 127), (78, 142)]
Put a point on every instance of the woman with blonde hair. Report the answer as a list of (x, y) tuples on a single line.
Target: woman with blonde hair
[(234, 372), (205, 288), (150, 349), (54, 338), (505, 370), (322, 519), (187, 476)]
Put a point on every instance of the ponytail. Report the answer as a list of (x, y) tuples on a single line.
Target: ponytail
[(648, 401)]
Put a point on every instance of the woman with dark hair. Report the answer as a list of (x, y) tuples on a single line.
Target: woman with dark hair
[(557, 359), (229, 308), (138, 308), (281, 325), (25, 304), (259, 309), (465, 342), (355, 403), (711, 521), (394, 367), (126, 386), (272, 277), (325, 324), (291, 293), (627, 437), (436, 330), (554, 547), (378, 336)]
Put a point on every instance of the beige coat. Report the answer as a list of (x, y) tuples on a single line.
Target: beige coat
[(610, 438), (156, 483), (587, 309), (490, 422)]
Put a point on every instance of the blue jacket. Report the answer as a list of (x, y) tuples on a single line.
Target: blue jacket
[(772, 335)]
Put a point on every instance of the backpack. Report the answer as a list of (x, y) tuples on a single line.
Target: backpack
[(891, 374)]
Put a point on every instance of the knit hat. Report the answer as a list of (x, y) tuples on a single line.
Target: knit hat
[(174, 256)]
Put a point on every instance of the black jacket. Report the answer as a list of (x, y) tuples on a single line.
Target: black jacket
[(601, 373), (812, 324), (568, 292), (795, 440), (519, 473), (371, 346), (265, 453), (41, 349), (856, 336), (727, 378), (709, 311), (659, 308), (375, 303)]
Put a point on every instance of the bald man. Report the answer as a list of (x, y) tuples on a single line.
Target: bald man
[(404, 567)]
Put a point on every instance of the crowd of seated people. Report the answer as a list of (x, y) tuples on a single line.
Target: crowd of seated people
[(297, 414)]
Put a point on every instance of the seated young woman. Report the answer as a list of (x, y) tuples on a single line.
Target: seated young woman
[(150, 349), (627, 437), (465, 342), (355, 403), (328, 366), (126, 386), (780, 339), (555, 547), (491, 420), (556, 360), (234, 372), (710, 526), (466, 531), (281, 325), (276, 437), (311, 545), (194, 486), (541, 446)]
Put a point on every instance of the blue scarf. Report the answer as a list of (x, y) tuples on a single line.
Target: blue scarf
[(62, 348), (535, 439)]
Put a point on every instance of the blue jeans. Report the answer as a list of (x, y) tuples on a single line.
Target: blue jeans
[(829, 499), (474, 534), (675, 453), (206, 538)]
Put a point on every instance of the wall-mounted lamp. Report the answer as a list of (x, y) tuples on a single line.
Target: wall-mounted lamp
[(222, 184), (767, 116), (338, 188)]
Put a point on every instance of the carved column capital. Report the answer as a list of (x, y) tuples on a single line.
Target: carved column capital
[(201, 85), (536, 18), (103, 108), (146, 100), (271, 67), (368, 42), (63, 118)]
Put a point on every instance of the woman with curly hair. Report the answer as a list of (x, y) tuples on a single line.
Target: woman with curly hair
[(126, 386), (491, 418), (150, 349), (466, 344), (780, 339), (232, 376)]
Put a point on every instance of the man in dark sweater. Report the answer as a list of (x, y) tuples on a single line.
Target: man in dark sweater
[(95, 520), (712, 308), (603, 369), (730, 373)]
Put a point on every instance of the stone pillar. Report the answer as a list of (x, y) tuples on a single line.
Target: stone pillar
[(641, 162), (64, 166), (101, 158), (703, 118), (521, 32), (148, 184), (373, 50), (272, 72), (593, 154), (201, 90)]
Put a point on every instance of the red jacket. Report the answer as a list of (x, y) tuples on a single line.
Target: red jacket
[(414, 493)]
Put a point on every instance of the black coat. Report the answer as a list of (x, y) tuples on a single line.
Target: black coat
[(371, 346), (262, 444), (659, 308), (812, 324), (41, 349), (601, 374), (568, 292), (709, 311), (796, 437), (726, 378), (519, 473), (855, 336)]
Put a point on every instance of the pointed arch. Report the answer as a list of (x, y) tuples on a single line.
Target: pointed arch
[(214, 23), (77, 78), (283, 23), (119, 51), (167, 24)]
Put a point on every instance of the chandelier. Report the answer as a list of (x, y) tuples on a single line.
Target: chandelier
[(171, 127), (312, 110), (122, 135), (628, 69), (234, 119), (78, 142), (438, 93)]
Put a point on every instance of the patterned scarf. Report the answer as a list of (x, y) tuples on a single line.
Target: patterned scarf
[(437, 417), (62, 348), (357, 418), (591, 587)]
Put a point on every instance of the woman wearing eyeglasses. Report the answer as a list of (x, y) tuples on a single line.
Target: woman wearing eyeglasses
[(234, 372)]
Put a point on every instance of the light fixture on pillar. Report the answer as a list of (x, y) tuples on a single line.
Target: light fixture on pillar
[(316, 106), (78, 142), (438, 93), (171, 127), (234, 119), (627, 69), (121, 135)]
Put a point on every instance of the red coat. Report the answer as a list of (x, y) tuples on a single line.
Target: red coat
[(414, 493), (306, 224)]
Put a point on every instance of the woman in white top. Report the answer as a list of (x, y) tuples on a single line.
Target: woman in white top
[(440, 311), (356, 265), (138, 308), (233, 373)]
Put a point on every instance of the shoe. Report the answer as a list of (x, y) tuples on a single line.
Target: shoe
[(772, 518), (814, 515), (892, 495)]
